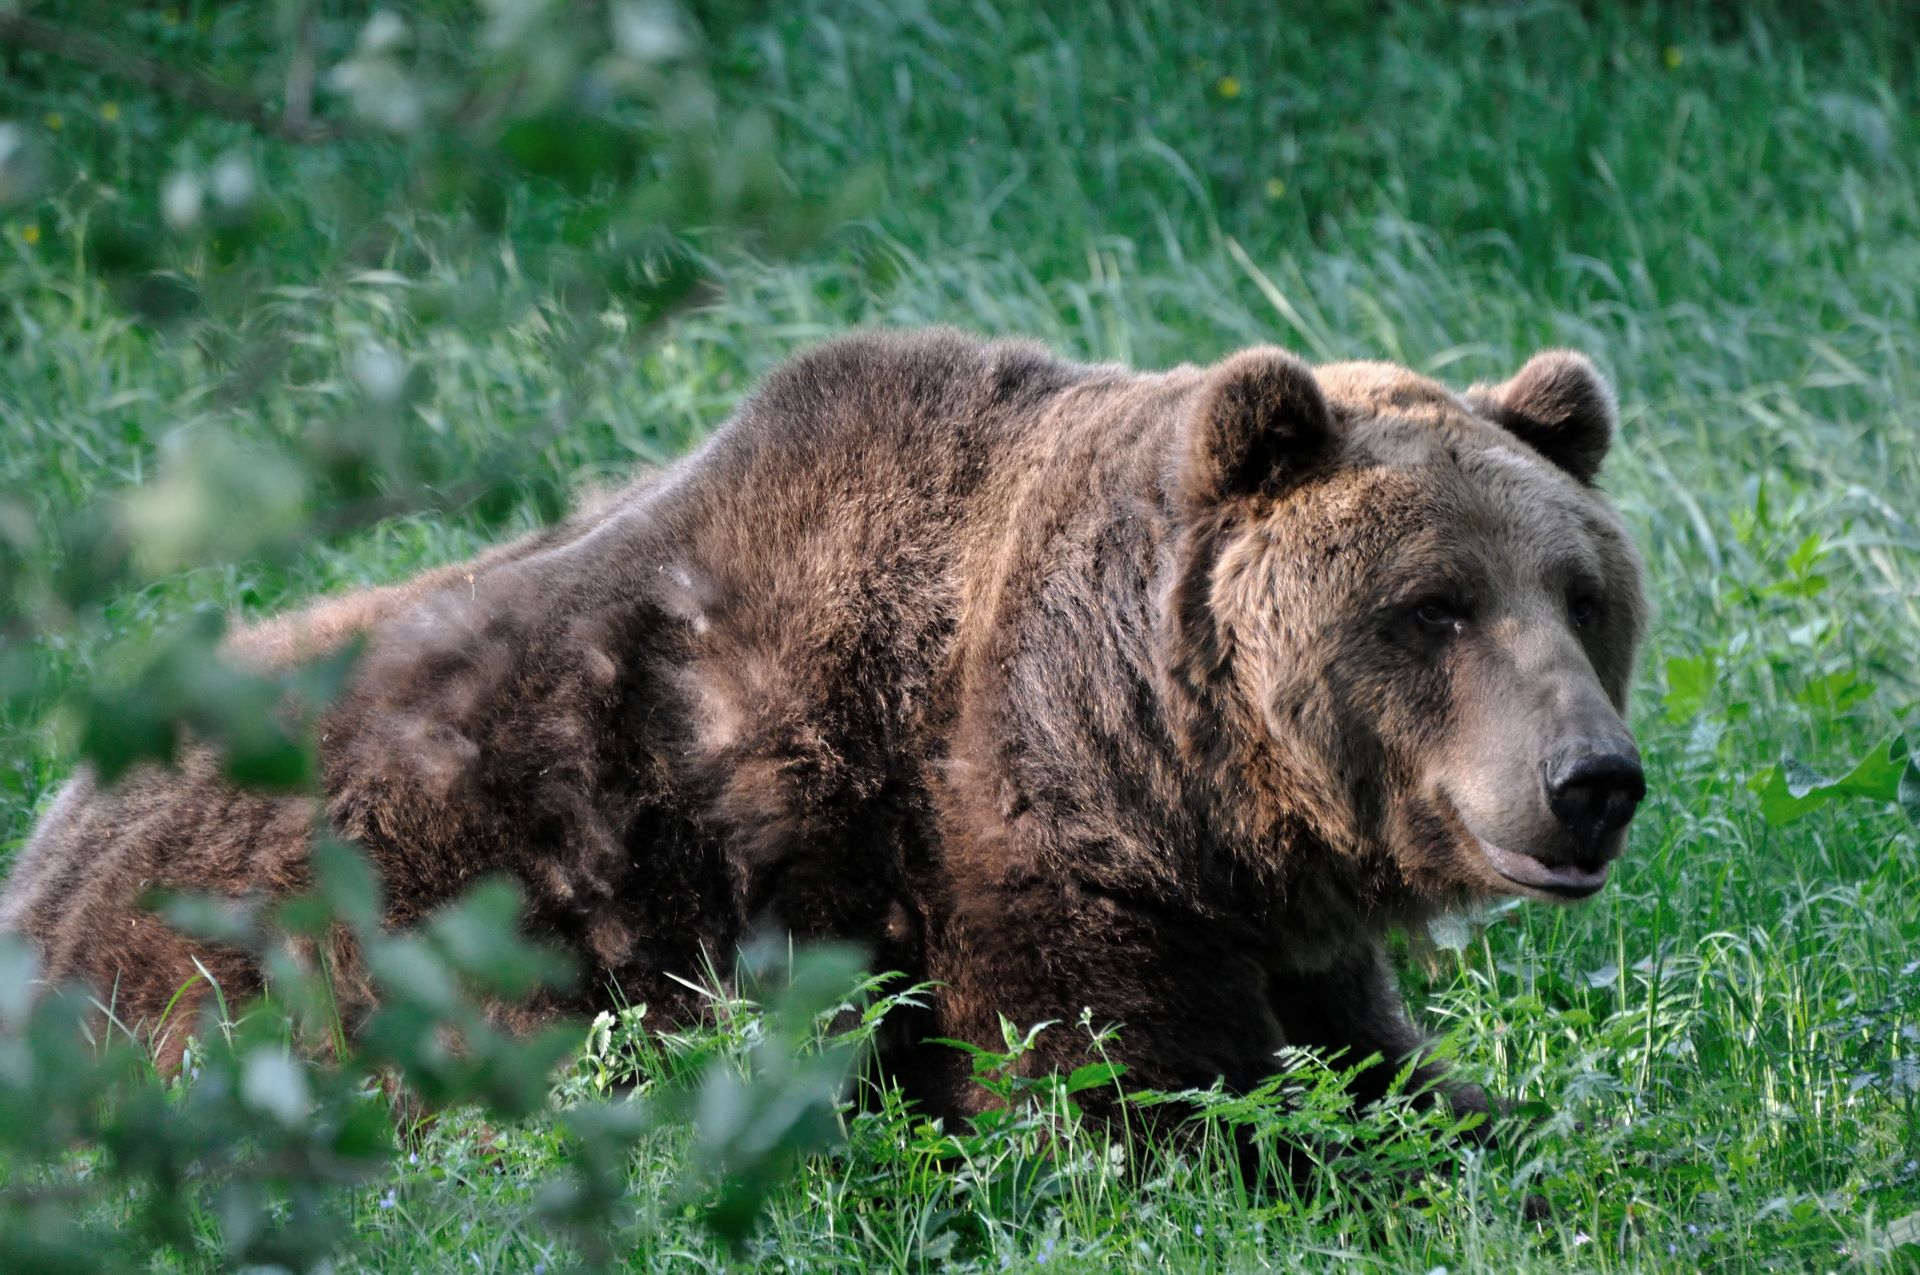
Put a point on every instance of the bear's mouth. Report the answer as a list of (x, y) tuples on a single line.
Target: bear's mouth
[(1562, 880)]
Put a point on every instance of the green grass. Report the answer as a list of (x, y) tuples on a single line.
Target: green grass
[(1721, 204)]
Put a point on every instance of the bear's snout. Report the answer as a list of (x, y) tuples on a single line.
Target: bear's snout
[(1549, 814), (1593, 788)]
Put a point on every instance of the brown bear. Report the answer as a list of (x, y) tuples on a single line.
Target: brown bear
[(1156, 695)]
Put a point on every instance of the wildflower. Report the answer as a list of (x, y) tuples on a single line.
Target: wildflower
[(109, 111), (1276, 189), (1672, 56), (1198, 1230), (390, 1199), (1580, 1238), (31, 234), (54, 121), (1228, 86)]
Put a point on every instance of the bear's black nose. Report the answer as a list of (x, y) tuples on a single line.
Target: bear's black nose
[(1593, 790)]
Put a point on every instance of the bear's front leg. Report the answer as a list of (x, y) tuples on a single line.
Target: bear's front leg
[(1353, 1008), (1186, 993)]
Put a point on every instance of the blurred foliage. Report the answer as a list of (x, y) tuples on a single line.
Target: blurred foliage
[(440, 129), (1889, 774), (435, 123), (241, 1157)]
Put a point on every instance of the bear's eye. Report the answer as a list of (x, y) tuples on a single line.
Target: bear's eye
[(1584, 610), (1440, 616)]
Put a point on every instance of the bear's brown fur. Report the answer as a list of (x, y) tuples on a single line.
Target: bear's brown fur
[(1160, 696)]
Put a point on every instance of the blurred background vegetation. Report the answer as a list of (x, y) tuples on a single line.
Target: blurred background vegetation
[(300, 296)]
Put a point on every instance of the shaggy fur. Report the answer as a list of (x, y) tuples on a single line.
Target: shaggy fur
[(1066, 686)]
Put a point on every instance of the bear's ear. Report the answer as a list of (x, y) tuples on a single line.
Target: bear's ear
[(1260, 423), (1559, 405)]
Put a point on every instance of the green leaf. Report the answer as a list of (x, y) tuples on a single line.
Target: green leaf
[(347, 882), (23, 166), (571, 149), (1089, 1075), (410, 971), (1835, 692), (1689, 686), (1792, 789), (273, 1083), (516, 1075), (119, 732), (480, 937), (1907, 793), (968, 1048), (19, 971), (232, 922), (1811, 550)]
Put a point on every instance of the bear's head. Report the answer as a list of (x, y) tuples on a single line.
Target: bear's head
[(1406, 621)]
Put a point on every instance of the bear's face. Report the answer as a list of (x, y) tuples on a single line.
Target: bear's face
[(1426, 617)]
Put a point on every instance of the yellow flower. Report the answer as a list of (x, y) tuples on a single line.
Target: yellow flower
[(1228, 87), (1276, 189), (55, 120), (109, 111), (1672, 56), (31, 234)]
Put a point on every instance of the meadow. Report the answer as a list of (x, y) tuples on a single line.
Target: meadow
[(1717, 1060)]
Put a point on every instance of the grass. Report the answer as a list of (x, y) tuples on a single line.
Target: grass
[(1720, 204)]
